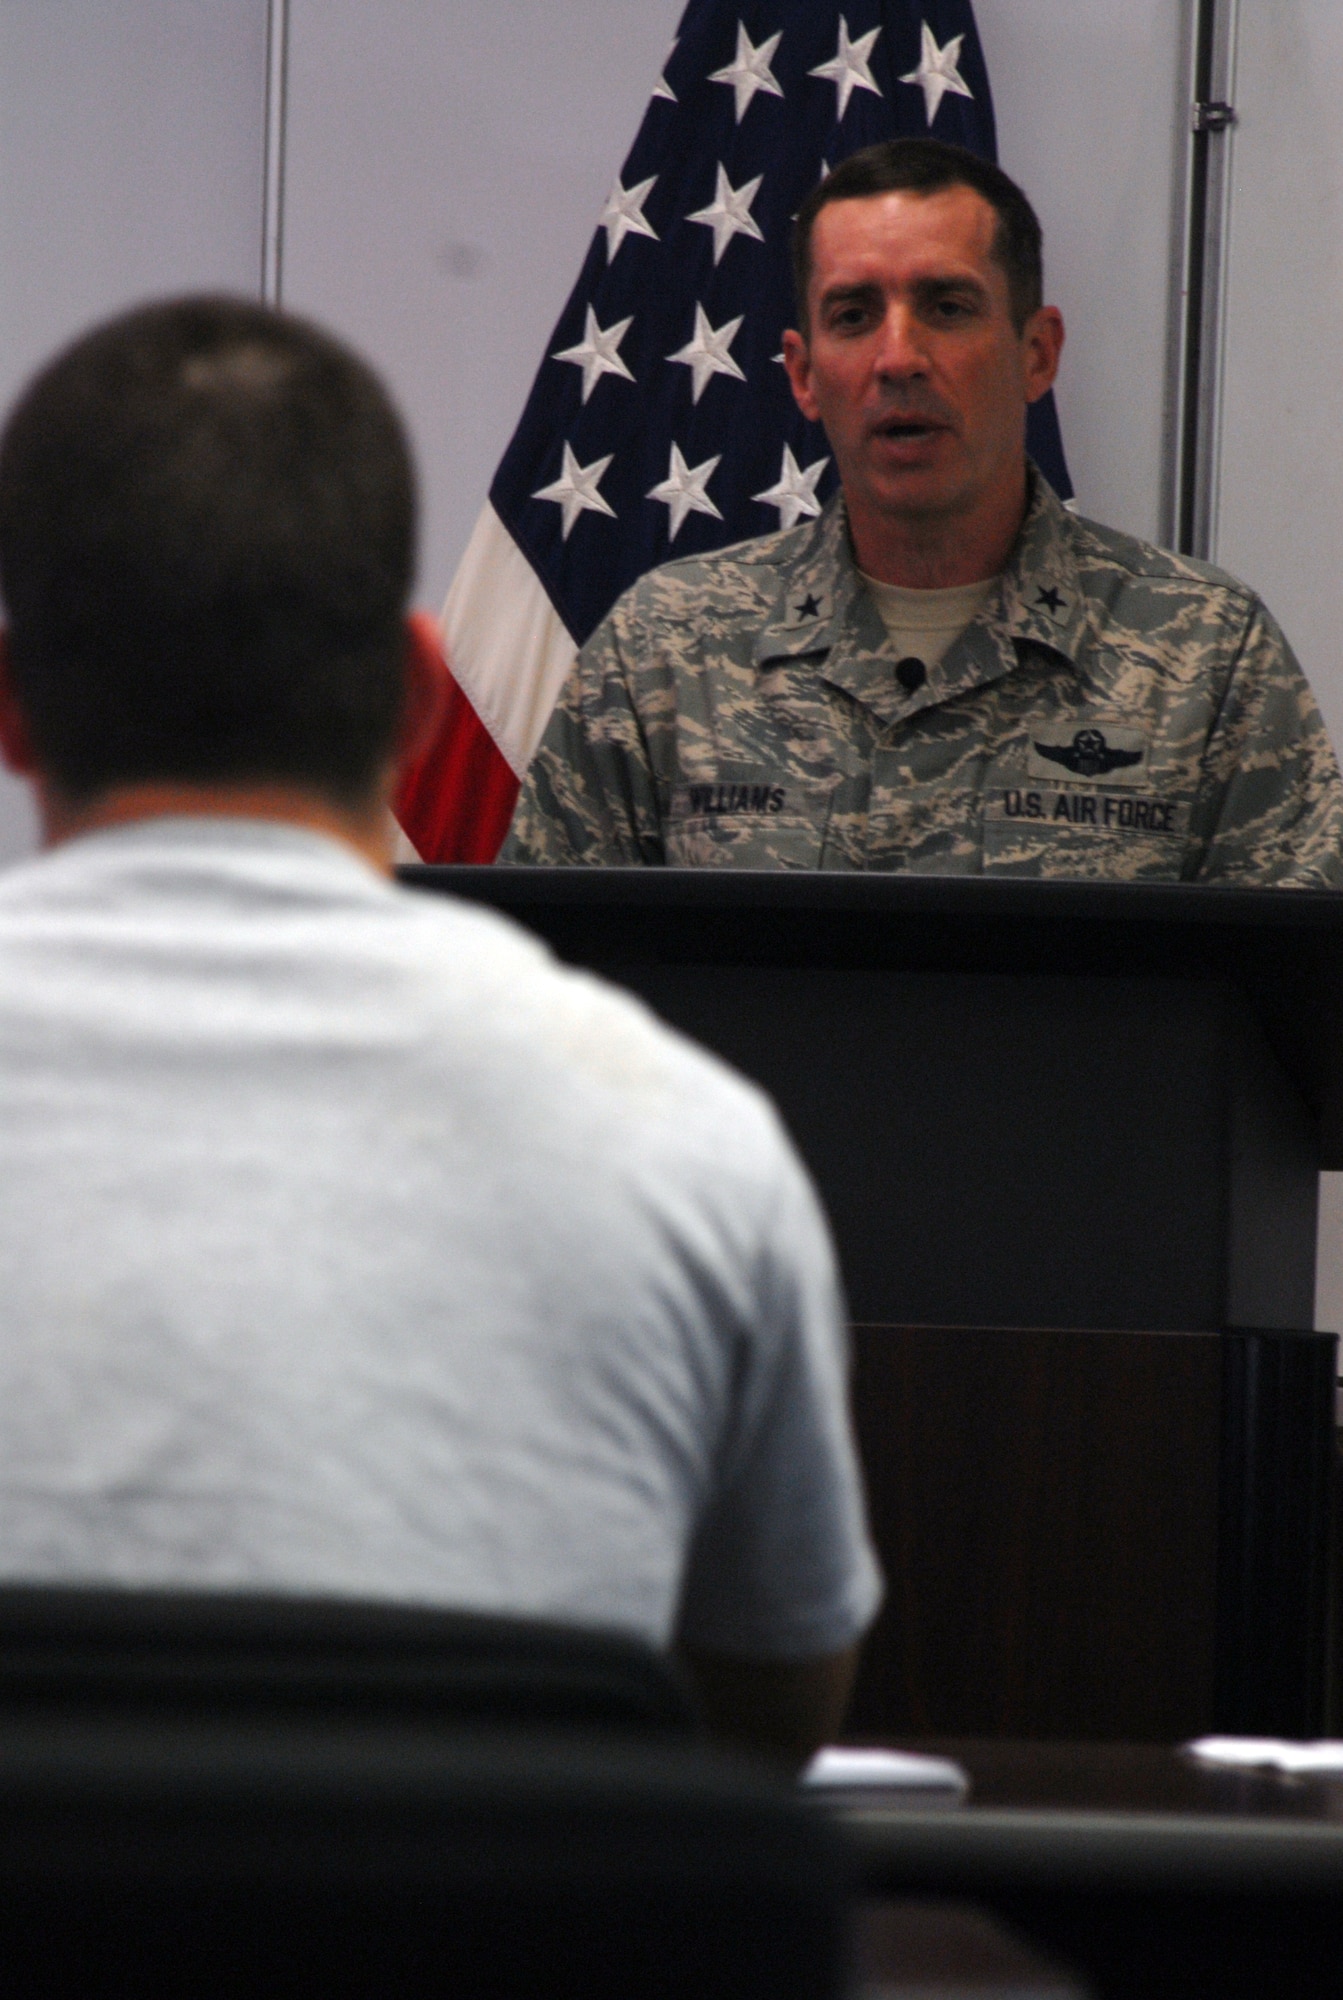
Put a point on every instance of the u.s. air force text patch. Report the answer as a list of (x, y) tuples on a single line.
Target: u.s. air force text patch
[(1119, 814), (1093, 753)]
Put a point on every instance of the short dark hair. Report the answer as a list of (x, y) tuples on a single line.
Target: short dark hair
[(207, 542), (926, 166)]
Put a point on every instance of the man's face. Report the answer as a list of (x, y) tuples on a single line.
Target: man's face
[(911, 360)]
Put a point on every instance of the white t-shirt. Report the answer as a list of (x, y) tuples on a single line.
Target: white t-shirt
[(351, 1244), (924, 624)]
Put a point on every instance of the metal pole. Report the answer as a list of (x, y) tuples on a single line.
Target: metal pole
[(272, 220), (1197, 427)]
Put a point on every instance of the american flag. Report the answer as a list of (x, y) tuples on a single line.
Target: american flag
[(661, 423)]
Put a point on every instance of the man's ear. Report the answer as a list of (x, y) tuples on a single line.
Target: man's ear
[(16, 746), (427, 687), (797, 360), (1042, 344)]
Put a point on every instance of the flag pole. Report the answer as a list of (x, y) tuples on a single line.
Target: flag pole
[(272, 206), (1192, 505)]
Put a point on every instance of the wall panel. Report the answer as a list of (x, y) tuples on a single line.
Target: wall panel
[(131, 142), (1280, 494), (1088, 98), (446, 164)]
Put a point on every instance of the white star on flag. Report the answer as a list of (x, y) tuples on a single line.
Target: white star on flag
[(596, 353), (848, 68), (662, 88), (576, 488), (729, 213), (683, 490), (795, 494), (749, 70), (624, 216), (706, 354), (937, 72)]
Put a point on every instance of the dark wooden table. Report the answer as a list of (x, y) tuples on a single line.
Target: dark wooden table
[(1152, 1875)]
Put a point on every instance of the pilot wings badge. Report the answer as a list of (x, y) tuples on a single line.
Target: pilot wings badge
[(1091, 753)]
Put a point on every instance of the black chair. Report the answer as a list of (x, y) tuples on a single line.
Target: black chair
[(230, 1653), (336, 1800)]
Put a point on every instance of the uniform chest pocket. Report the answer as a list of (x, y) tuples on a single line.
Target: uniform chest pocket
[(747, 819), (1098, 831)]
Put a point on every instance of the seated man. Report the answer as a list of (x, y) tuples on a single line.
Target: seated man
[(945, 672), (350, 1244)]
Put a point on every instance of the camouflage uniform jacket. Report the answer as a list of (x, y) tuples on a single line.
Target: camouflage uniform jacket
[(1113, 711)]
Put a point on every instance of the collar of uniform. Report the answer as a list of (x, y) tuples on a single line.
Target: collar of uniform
[(817, 590), (1038, 603), (1042, 601), (824, 610)]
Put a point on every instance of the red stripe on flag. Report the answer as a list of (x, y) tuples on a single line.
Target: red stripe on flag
[(455, 802)]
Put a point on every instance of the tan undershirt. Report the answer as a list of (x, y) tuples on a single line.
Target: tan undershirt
[(925, 623)]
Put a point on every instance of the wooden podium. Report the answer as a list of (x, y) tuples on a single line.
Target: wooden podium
[(1069, 1137)]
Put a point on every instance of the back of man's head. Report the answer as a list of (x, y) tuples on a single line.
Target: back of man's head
[(207, 539)]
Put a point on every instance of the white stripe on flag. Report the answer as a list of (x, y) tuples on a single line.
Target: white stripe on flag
[(508, 650), (403, 847)]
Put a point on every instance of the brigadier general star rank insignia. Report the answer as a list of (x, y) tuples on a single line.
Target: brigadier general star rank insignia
[(1050, 599)]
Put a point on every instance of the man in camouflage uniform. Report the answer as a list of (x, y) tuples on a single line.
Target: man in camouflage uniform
[(1108, 710)]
